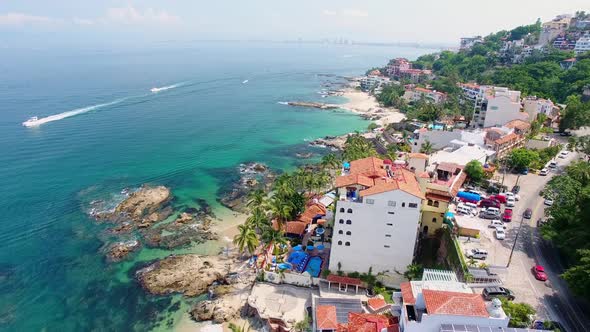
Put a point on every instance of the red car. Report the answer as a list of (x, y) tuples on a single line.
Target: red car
[(507, 216), (539, 272), (500, 198), (489, 203)]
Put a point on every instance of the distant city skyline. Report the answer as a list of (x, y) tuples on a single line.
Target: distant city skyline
[(32, 23)]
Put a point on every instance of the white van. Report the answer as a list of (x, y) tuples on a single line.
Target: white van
[(472, 206), (552, 164), (496, 223), (510, 201), (476, 254), (463, 210), (493, 210), (543, 172)]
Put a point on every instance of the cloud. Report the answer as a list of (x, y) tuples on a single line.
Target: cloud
[(346, 13), (20, 19), (131, 15)]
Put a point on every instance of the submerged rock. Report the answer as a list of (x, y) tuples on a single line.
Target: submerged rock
[(252, 177), (121, 250)]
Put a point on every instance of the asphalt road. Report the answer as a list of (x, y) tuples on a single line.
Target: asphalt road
[(558, 302)]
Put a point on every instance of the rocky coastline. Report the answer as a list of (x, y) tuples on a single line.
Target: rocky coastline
[(252, 176)]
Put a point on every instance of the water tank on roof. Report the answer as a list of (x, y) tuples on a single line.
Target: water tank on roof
[(495, 309)]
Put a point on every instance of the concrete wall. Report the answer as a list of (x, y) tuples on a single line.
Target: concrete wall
[(438, 138), (373, 227), (297, 279), (418, 164), (428, 216)]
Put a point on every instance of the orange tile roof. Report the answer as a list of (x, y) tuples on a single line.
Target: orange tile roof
[(326, 317), (518, 124), (344, 280), (295, 227), (458, 183), (347, 180), (371, 167), (376, 304), (506, 138), (454, 303), (403, 180), (422, 90), (358, 322), (418, 155), (407, 294), (311, 211)]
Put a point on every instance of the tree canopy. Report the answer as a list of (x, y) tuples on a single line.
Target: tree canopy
[(474, 170), (522, 158)]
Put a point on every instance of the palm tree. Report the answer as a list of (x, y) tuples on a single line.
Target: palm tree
[(427, 147), (580, 171), (413, 272), (280, 208), (246, 239), (284, 185), (258, 219), (330, 161), (273, 236), (256, 199)]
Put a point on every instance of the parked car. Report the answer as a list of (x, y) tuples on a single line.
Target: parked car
[(516, 189), (552, 164), (490, 293), (500, 198), (507, 215), (548, 201), (476, 254), (544, 172), (548, 326), (463, 210), (510, 201), (524, 171), (488, 202), (490, 213), (500, 233), (496, 223), (539, 272), (563, 154), (509, 195), (528, 213)]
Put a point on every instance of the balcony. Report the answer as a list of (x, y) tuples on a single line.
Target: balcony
[(351, 196)]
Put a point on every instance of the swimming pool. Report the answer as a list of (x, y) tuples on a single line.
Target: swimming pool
[(314, 266)]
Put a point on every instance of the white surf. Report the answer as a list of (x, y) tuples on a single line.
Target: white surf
[(35, 122)]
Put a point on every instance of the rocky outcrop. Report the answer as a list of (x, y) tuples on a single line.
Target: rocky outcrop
[(145, 205), (218, 311), (313, 105), (121, 250), (190, 275), (252, 176)]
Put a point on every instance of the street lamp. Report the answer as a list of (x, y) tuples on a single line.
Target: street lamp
[(515, 240)]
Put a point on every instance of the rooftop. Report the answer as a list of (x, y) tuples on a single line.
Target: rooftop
[(454, 303), (361, 322), (518, 124), (343, 306), (326, 317), (344, 280)]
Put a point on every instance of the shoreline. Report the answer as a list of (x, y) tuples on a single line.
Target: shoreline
[(366, 105)]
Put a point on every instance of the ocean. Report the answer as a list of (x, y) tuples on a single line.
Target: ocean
[(108, 131)]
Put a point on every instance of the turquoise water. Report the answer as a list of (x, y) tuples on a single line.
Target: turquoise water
[(314, 266), (53, 275)]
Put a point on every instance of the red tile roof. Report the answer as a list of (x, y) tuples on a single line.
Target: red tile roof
[(344, 280), (326, 317), (506, 138), (407, 294), (458, 183), (376, 304), (295, 227), (518, 124), (369, 323), (403, 180), (371, 167), (424, 175), (348, 180), (311, 211), (453, 303)]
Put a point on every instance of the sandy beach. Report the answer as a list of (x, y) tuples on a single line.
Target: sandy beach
[(365, 104)]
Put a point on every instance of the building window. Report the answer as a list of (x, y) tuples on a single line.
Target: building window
[(386, 246), (391, 203), (391, 212), (370, 201), (387, 235), (429, 202), (347, 244), (403, 204), (342, 210), (413, 205), (340, 232), (339, 243), (349, 211), (348, 233), (348, 222), (436, 204), (434, 220), (389, 224), (341, 221)]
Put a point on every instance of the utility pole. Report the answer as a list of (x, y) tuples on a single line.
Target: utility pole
[(515, 241)]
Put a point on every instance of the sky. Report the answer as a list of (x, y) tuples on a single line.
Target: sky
[(41, 23)]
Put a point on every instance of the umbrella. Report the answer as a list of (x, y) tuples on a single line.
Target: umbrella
[(298, 247)]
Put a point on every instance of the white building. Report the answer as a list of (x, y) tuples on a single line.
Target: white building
[(415, 94), (371, 82), (496, 106), (462, 155), (442, 138), (583, 44), (440, 299), (377, 217), (534, 106), (468, 42)]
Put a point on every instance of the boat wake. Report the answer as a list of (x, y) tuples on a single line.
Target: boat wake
[(283, 102), (164, 88), (35, 122)]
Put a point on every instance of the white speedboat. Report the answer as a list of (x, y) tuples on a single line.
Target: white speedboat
[(154, 90), (31, 122), (245, 81)]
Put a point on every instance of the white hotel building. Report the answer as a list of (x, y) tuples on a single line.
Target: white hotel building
[(377, 217)]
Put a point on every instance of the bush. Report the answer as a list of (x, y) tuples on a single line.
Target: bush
[(326, 273), (372, 126), (354, 274)]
